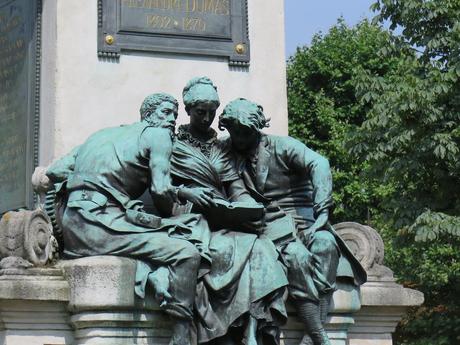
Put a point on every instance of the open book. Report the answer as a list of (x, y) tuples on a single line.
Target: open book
[(233, 213)]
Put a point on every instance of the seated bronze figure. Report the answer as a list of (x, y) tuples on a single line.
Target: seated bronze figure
[(225, 276)]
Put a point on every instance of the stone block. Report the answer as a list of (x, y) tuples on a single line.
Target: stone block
[(106, 311), (383, 305), (33, 307), (104, 308), (103, 283), (121, 327)]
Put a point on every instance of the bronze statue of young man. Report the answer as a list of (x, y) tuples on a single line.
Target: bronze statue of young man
[(295, 184), (104, 177)]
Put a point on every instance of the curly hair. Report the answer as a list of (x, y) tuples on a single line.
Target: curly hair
[(243, 112), (193, 92), (151, 102)]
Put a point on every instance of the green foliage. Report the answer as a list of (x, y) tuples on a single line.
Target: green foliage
[(430, 225), (433, 268), (411, 139), (432, 27), (385, 109), (323, 108)]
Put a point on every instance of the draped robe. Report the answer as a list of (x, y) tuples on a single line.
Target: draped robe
[(101, 181), (246, 276)]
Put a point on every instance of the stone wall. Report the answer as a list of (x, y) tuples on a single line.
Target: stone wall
[(82, 91)]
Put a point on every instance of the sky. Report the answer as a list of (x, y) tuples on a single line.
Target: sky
[(304, 18)]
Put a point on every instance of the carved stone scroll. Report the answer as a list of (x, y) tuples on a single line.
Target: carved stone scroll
[(26, 239), (366, 245)]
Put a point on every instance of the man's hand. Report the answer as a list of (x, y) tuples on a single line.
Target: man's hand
[(40, 182), (320, 223), (199, 196)]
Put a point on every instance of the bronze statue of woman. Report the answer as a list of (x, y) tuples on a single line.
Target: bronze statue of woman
[(241, 295)]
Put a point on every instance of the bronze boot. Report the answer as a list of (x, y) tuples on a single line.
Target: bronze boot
[(310, 315), (324, 303)]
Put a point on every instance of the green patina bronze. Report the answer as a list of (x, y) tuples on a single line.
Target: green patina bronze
[(237, 221), (295, 185), (101, 181), (242, 295)]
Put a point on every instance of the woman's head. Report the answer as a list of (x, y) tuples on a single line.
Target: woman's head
[(199, 90), (201, 102)]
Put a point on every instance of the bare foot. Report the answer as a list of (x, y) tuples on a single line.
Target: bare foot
[(306, 340), (160, 281)]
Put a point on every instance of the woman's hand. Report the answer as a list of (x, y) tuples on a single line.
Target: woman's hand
[(199, 196)]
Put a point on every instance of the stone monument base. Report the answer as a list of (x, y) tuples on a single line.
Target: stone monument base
[(91, 301), (33, 307)]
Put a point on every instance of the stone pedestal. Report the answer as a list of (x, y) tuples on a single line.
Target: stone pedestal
[(121, 328), (384, 303), (91, 301), (104, 308), (33, 307)]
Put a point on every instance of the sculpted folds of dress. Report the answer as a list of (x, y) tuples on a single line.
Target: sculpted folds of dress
[(246, 279)]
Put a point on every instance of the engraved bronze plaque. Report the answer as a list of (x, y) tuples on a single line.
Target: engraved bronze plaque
[(19, 104), (201, 27)]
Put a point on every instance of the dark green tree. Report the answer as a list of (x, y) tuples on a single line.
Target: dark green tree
[(412, 132), (385, 109), (323, 108), (411, 140)]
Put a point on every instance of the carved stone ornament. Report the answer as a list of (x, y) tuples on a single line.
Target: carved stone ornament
[(26, 239), (366, 245)]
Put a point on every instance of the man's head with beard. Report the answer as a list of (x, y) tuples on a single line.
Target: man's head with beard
[(160, 110)]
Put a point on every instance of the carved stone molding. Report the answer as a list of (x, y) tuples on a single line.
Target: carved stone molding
[(367, 246)]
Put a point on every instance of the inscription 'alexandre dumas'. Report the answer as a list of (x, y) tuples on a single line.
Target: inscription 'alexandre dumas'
[(186, 27), (210, 17)]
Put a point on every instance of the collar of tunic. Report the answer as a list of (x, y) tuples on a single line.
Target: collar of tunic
[(183, 134)]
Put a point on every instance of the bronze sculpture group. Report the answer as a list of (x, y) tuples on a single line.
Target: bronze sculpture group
[(236, 222)]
